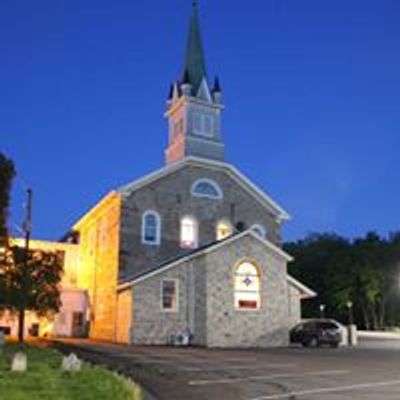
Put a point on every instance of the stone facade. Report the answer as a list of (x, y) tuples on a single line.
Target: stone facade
[(124, 317), (99, 244), (206, 299), (294, 304), (171, 197)]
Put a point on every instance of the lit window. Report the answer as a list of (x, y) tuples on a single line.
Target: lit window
[(224, 230), (151, 228), (206, 188), (259, 230), (169, 295), (247, 287), (188, 233)]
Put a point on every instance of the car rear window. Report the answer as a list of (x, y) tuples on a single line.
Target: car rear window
[(327, 325)]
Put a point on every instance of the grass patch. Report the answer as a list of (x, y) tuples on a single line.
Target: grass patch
[(44, 379)]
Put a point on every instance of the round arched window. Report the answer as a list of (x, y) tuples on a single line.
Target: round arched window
[(206, 188), (151, 228), (259, 230), (247, 286), (189, 233)]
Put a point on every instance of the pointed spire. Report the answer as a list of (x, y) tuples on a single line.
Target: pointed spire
[(171, 91), (186, 77), (195, 65), (217, 86)]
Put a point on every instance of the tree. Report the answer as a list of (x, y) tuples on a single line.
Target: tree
[(7, 173), (32, 284), (364, 272)]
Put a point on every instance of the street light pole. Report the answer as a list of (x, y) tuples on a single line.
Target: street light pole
[(350, 312), (322, 310), (27, 229)]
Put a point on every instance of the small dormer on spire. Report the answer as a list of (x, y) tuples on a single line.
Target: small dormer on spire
[(217, 91)]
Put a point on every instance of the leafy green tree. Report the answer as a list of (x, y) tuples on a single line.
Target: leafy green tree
[(7, 173), (31, 284), (364, 273)]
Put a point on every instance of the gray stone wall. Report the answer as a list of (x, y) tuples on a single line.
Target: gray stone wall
[(294, 304), (206, 301), (229, 327), (152, 325), (171, 198)]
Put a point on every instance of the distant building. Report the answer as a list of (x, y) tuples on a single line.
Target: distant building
[(193, 249)]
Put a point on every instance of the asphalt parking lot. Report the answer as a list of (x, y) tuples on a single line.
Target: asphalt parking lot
[(370, 371)]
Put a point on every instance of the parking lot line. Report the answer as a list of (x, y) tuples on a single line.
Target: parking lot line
[(237, 367), (328, 390), (265, 377)]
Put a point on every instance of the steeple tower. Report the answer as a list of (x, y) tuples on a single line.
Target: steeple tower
[(193, 108), (195, 65)]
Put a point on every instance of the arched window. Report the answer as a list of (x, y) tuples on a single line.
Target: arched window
[(224, 230), (259, 230), (206, 188), (151, 228), (189, 233), (247, 287)]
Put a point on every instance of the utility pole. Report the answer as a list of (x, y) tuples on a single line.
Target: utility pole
[(27, 229)]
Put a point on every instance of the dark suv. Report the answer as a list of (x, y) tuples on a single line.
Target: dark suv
[(317, 332)]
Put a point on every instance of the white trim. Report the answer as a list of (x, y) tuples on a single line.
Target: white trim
[(210, 249), (158, 228), (261, 229), (176, 308), (220, 194), (262, 197), (199, 119), (307, 292), (236, 291), (213, 141)]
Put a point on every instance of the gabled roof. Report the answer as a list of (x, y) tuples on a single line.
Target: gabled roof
[(241, 179), (195, 253), (305, 291)]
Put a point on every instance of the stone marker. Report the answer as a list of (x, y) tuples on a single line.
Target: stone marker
[(71, 363), (19, 362)]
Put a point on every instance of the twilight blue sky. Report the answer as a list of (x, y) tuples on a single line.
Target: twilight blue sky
[(311, 88)]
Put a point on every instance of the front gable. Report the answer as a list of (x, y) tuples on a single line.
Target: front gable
[(170, 193), (240, 179)]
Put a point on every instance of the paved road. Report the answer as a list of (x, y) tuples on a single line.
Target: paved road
[(368, 372)]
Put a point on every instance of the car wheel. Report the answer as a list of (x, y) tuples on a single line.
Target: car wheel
[(313, 342)]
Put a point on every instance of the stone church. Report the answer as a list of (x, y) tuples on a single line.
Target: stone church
[(191, 252)]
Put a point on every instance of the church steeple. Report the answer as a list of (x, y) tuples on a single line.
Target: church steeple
[(194, 66), (194, 109)]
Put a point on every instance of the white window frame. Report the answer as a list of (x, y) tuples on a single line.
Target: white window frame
[(202, 119), (196, 232), (235, 291), (157, 242), (214, 184), (258, 228), (175, 309)]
